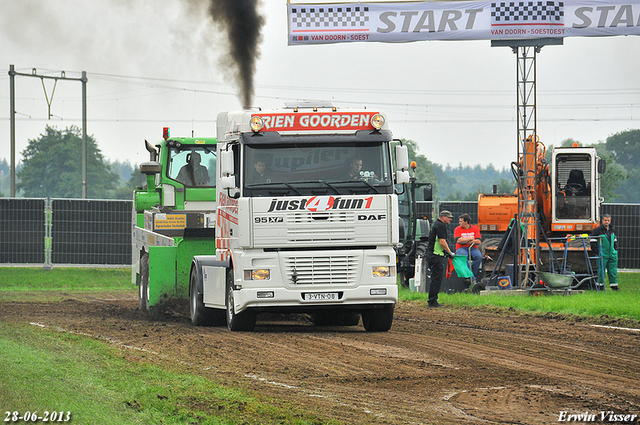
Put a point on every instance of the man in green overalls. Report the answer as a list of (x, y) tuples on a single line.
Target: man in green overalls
[(609, 252)]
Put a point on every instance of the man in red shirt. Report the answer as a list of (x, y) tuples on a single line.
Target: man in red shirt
[(467, 237)]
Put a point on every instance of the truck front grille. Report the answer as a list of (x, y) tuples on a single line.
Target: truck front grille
[(322, 270), (320, 227)]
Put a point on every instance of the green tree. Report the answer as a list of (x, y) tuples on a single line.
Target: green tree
[(5, 178), (464, 183), (122, 169), (506, 185), (424, 171), (611, 180), (4, 167), (125, 189), (625, 148), (52, 166), (129, 178)]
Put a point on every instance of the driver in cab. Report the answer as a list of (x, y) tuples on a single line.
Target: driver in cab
[(355, 171), (193, 174)]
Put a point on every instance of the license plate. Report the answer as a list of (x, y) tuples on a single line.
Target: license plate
[(321, 296)]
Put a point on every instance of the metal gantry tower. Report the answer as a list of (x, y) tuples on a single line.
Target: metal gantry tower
[(527, 141)]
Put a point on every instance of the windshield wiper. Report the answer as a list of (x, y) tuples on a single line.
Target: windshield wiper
[(270, 185), (332, 187), (257, 186), (293, 188)]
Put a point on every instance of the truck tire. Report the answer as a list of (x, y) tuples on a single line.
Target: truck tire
[(244, 321), (378, 319), (143, 286), (201, 315), (335, 318)]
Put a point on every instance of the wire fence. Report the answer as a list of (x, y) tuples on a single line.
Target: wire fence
[(51, 232), (80, 232), (625, 218)]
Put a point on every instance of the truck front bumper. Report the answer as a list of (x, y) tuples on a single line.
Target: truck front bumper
[(315, 298)]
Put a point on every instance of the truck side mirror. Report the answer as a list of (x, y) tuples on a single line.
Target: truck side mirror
[(151, 169), (228, 182), (402, 177), (226, 163), (602, 166), (402, 158)]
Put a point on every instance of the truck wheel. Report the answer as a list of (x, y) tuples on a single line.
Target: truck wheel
[(244, 321), (378, 319), (201, 315), (143, 286), (335, 318)]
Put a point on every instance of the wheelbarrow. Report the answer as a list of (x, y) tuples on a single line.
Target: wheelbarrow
[(555, 281)]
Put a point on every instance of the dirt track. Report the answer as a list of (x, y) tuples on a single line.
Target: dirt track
[(440, 366)]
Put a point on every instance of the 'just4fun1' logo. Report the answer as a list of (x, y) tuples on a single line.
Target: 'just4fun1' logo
[(320, 204)]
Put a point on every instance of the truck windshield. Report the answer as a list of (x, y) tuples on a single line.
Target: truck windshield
[(304, 169), (193, 167)]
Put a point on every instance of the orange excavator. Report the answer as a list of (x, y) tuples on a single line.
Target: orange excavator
[(555, 204)]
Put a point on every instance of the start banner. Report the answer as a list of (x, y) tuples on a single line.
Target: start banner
[(461, 20)]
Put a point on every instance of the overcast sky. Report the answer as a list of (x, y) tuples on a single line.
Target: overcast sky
[(152, 64)]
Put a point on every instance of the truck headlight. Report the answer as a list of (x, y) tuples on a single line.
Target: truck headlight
[(256, 124), (383, 271), (258, 274), (377, 121)]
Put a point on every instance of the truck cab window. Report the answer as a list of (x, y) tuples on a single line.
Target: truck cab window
[(309, 169), (193, 167), (573, 187)]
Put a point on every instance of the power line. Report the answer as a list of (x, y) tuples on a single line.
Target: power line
[(433, 111), (396, 120)]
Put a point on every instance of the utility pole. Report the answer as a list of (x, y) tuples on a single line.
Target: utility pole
[(84, 134), (12, 114)]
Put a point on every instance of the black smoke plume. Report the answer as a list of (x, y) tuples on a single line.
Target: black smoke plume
[(243, 25)]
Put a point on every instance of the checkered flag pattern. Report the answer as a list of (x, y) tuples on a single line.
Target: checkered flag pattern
[(329, 17), (523, 12)]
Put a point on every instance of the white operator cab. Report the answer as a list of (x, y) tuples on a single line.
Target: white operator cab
[(576, 188), (307, 218)]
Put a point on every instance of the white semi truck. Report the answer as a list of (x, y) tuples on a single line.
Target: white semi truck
[(306, 219)]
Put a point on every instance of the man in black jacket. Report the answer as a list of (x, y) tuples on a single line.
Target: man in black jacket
[(437, 253)]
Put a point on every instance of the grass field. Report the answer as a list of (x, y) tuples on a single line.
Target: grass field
[(47, 371), (623, 304), (44, 371), (31, 283), (22, 284)]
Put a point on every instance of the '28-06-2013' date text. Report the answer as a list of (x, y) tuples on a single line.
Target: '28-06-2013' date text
[(46, 416)]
